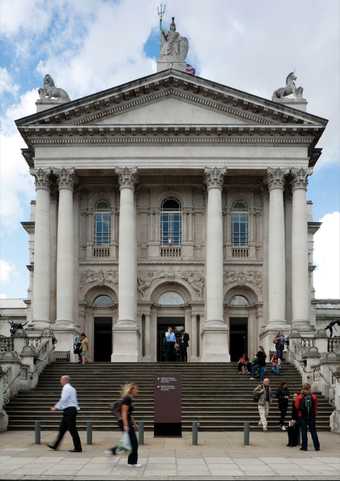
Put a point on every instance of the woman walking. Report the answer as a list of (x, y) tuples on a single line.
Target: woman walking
[(84, 350), (127, 423)]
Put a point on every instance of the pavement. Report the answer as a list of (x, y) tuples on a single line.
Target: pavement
[(218, 456)]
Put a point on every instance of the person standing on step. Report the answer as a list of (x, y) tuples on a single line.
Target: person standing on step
[(184, 346), (282, 395), (170, 340), (260, 364), (263, 395), (127, 423), (306, 405), (84, 348), (68, 403)]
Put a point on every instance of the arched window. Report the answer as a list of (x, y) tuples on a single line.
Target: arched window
[(171, 223), (103, 223), (171, 299), (239, 301), (239, 224), (103, 301)]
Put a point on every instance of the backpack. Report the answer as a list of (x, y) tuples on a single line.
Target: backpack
[(117, 409), (77, 348), (307, 406)]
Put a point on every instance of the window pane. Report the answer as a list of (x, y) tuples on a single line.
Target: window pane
[(103, 228), (239, 226)]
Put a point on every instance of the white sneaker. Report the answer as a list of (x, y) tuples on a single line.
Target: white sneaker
[(259, 423), (265, 429), (138, 465), (283, 428)]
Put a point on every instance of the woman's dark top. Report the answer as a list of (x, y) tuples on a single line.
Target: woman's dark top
[(127, 401), (261, 358), (282, 395)]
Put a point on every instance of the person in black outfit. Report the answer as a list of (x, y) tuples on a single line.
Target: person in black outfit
[(294, 426), (184, 346), (68, 403), (260, 364), (127, 423), (282, 395)]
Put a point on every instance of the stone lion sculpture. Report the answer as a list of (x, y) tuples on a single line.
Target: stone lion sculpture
[(50, 91)]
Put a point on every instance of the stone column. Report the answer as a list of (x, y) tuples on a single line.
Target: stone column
[(215, 334), (125, 346), (65, 250), (300, 280), (41, 275), (276, 251)]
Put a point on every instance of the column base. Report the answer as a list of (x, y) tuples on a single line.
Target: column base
[(65, 338), (215, 343), (36, 325), (125, 343)]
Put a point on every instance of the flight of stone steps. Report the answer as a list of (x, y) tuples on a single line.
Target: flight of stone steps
[(213, 393)]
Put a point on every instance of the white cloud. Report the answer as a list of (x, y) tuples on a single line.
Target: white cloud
[(16, 182), (6, 82), (17, 16), (6, 270), (327, 257), (3, 296)]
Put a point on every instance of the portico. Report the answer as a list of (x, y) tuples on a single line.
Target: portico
[(172, 185)]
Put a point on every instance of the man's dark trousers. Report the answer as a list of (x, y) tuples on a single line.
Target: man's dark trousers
[(68, 423), (306, 424)]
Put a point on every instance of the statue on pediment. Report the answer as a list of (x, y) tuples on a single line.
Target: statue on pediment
[(50, 92), (173, 47), (289, 90)]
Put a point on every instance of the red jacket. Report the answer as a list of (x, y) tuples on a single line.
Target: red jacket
[(298, 401)]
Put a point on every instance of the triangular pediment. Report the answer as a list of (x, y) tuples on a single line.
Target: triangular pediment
[(171, 110), (171, 97)]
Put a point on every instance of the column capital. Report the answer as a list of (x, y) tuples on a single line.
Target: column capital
[(65, 178), (299, 178), (214, 177), (275, 178), (42, 178), (127, 177)]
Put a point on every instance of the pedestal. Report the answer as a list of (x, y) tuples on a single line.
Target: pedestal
[(215, 344), (125, 344)]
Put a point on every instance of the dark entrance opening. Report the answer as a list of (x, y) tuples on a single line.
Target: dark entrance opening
[(238, 337), (102, 339), (177, 323)]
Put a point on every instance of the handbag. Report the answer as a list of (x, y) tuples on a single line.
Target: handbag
[(124, 444)]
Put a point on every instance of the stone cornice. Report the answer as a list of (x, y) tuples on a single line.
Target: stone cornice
[(170, 134)]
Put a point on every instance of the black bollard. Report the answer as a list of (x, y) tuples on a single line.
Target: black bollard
[(89, 432), (37, 433), (195, 426), (246, 434), (141, 433)]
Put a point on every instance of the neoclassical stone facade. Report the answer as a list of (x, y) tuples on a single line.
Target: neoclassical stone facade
[(171, 200)]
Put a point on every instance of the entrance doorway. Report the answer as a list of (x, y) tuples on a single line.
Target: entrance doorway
[(102, 348), (177, 323), (238, 337)]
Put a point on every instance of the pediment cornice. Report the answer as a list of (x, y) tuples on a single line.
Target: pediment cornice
[(171, 83)]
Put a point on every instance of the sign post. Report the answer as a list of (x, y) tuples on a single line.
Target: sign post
[(168, 405)]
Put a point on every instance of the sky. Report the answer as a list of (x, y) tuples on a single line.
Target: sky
[(90, 45)]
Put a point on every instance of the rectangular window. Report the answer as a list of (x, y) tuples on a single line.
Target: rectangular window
[(239, 230), (171, 228), (103, 228)]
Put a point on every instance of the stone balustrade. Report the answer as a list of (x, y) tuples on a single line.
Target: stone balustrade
[(22, 359)]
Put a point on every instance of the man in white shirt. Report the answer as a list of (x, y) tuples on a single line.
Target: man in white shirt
[(67, 403)]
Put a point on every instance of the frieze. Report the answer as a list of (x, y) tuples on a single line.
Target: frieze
[(102, 277), (158, 139), (250, 278), (194, 279)]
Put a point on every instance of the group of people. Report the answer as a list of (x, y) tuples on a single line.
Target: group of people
[(303, 414), (176, 345)]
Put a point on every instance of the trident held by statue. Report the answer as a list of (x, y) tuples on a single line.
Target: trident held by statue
[(161, 12)]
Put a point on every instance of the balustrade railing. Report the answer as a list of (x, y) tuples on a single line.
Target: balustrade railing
[(101, 251), (6, 344), (240, 252), (333, 344), (171, 251)]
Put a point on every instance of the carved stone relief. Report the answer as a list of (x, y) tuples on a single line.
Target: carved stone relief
[(102, 277), (194, 279), (248, 278)]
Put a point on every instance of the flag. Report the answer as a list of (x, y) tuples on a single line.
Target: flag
[(190, 69)]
